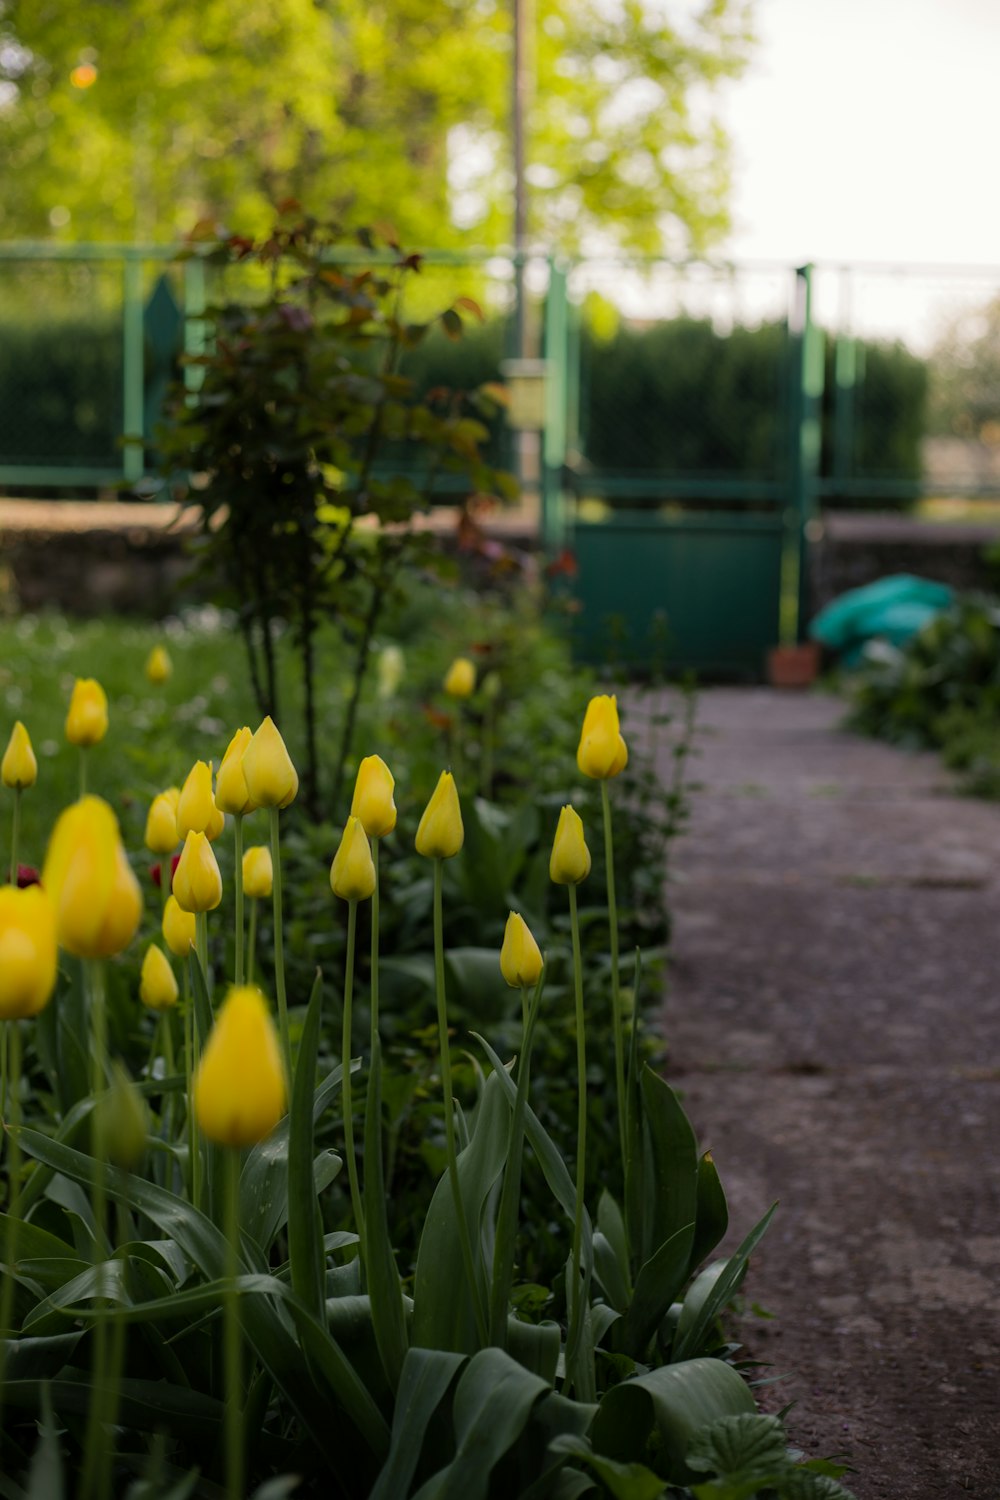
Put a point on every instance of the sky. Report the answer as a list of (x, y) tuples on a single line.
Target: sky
[(868, 130)]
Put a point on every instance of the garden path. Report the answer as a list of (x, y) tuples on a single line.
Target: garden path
[(834, 1025)]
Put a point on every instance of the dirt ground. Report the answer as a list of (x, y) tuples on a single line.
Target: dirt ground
[(834, 1025)]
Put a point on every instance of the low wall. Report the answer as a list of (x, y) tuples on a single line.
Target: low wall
[(852, 549)]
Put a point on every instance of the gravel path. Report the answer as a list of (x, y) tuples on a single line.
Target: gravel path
[(834, 1023)]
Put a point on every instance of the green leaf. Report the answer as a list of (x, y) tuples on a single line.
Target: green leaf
[(803, 1484), (657, 1285), (669, 1406), (712, 1212), (536, 1346), (608, 1271), (491, 1408), (45, 1477), (383, 1278), (443, 1313), (743, 1442), (669, 1168), (39, 1358), (691, 1329), (305, 1226), (423, 1382), (147, 1405), (625, 1481)]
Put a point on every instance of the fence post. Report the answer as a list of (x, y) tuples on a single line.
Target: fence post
[(552, 518), (134, 458), (195, 326), (807, 393)]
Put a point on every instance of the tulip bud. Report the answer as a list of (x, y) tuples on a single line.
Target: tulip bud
[(372, 803), (157, 985), (161, 825), (28, 956), (96, 896), (158, 665), (123, 1119), (352, 874), (87, 720), (196, 805), (216, 823), (520, 959), (389, 671), (272, 780), (197, 881), (231, 795), (239, 1089), (569, 862), (258, 872), (173, 796), (602, 752), (178, 928), (460, 678), (19, 768), (441, 833)]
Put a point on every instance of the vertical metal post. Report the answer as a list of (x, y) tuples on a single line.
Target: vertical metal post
[(133, 461), (519, 104), (807, 394), (195, 328), (846, 378), (552, 518)]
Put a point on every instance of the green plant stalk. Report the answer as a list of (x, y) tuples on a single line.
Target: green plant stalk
[(190, 1059), (15, 835), (346, 1089), (279, 952), (374, 962), (201, 945), (505, 1246), (3, 1076), (577, 1293), (13, 1174), (486, 766), (449, 1108), (616, 998), (238, 883), (252, 942), (83, 770), (95, 1441), (233, 1345)]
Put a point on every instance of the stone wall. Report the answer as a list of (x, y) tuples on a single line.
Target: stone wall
[(850, 550)]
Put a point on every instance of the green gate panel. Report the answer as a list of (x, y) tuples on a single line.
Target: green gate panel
[(692, 592)]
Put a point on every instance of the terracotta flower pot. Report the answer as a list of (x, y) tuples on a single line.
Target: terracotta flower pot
[(793, 666)]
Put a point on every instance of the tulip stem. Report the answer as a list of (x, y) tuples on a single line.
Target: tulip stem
[(13, 1172), (96, 1437), (345, 1064), (252, 941), (83, 770), (238, 881), (233, 1338), (616, 998), (192, 1124), (510, 1196), (374, 974), (15, 836), (576, 1293), (449, 1109), (201, 948), (279, 951)]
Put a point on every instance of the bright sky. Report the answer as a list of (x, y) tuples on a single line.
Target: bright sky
[(869, 130)]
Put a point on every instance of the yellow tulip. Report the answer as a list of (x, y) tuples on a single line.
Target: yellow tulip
[(569, 862), (258, 872), (96, 896), (158, 665), (460, 678), (87, 720), (19, 767), (28, 956), (520, 958), (372, 803), (178, 928), (173, 796), (352, 874), (441, 833), (197, 881), (239, 1089), (196, 806), (390, 670), (157, 985), (602, 751), (272, 780), (216, 823), (161, 825), (231, 795)]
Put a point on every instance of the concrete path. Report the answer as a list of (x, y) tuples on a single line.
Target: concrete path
[(834, 1025)]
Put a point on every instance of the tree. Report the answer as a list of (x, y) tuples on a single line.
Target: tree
[(135, 119), (965, 376)]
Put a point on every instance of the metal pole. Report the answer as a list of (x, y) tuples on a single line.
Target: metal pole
[(519, 110)]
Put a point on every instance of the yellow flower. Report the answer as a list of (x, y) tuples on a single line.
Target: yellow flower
[(178, 928), (602, 751), (352, 874), (196, 807), (87, 720), (197, 882), (96, 896), (161, 825), (441, 832), (271, 778), (231, 795), (19, 767), (216, 823), (520, 959), (158, 665), (460, 678), (372, 804), (157, 985), (173, 796), (569, 862), (239, 1089), (124, 1119), (258, 872), (389, 671), (27, 951)]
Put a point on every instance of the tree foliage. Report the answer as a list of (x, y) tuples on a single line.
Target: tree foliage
[(137, 119)]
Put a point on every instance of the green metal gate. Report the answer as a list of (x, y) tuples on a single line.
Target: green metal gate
[(679, 568)]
